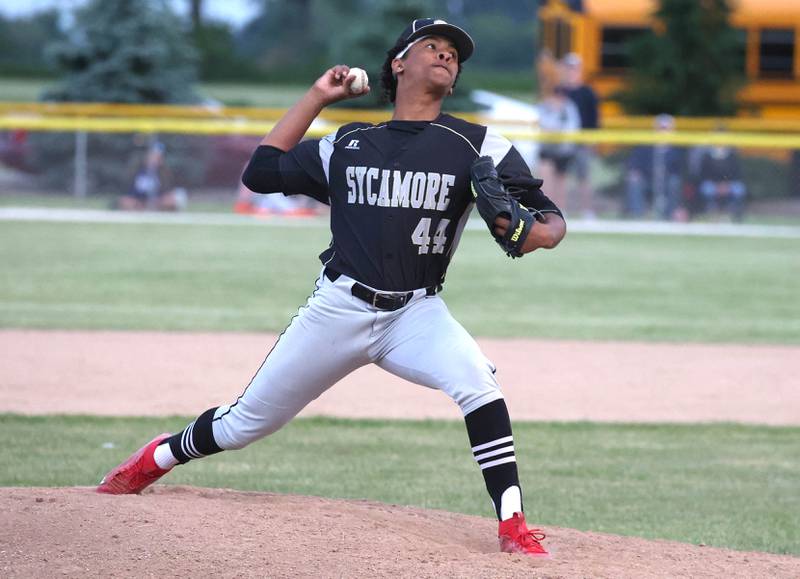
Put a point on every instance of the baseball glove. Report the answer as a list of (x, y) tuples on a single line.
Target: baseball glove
[(493, 201)]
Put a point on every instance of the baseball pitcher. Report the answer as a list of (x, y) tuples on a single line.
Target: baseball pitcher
[(400, 193)]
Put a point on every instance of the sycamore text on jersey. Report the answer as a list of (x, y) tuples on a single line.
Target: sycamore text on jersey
[(388, 188)]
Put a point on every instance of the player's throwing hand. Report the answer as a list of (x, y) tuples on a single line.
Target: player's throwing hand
[(335, 85)]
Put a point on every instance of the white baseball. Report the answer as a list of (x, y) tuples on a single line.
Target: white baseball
[(361, 82)]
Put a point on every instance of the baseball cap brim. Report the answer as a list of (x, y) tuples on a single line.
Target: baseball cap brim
[(462, 41)]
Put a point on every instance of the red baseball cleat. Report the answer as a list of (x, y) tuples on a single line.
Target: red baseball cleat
[(515, 537), (135, 474)]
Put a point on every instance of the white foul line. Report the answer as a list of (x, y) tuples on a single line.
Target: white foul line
[(576, 226)]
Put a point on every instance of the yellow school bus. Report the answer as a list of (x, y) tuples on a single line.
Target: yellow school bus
[(598, 31)]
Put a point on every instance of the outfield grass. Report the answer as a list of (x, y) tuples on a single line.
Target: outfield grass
[(231, 94), (722, 485), (269, 95), (198, 203), (253, 95), (23, 89), (247, 278)]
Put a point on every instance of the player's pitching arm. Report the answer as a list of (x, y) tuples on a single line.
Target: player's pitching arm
[(333, 86), (263, 173)]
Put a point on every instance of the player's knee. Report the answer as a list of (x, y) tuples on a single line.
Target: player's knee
[(472, 400), (474, 385)]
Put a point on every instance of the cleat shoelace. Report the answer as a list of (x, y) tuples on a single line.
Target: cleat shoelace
[(532, 536)]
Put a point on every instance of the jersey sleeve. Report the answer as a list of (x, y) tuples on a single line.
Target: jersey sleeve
[(304, 168), (515, 174)]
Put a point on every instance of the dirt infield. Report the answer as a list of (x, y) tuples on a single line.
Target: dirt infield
[(188, 532), (149, 373), (180, 531)]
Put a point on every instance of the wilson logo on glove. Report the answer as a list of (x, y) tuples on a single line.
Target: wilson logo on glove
[(493, 201), (518, 231)]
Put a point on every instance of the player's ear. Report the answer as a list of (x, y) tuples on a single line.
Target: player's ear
[(397, 67)]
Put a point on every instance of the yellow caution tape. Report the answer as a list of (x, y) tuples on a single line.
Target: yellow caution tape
[(244, 126), (345, 115)]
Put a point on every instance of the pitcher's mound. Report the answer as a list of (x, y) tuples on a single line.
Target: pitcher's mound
[(191, 532)]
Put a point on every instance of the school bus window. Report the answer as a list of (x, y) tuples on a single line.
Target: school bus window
[(557, 37), (776, 53), (615, 40), (563, 38), (741, 50), (547, 36)]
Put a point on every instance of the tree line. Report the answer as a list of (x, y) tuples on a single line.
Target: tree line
[(285, 40), (142, 51)]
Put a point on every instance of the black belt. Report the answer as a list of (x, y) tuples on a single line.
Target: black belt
[(389, 301)]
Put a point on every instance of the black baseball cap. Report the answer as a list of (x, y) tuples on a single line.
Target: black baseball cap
[(433, 26)]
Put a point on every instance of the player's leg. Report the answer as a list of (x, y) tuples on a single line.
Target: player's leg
[(323, 343), (426, 345), (708, 189), (546, 171), (635, 203), (738, 192), (582, 166)]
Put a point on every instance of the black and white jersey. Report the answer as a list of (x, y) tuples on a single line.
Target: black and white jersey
[(400, 194)]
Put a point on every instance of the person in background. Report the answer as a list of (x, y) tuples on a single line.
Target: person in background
[(251, 203), (693, 201), (653, 172), (585, 100), (794, 174), (151, 182), (557, 114), (721, 182)]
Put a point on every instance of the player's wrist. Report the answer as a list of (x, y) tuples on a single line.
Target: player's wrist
[(318, 98)]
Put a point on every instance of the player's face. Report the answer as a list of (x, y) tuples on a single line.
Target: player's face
[(432, 61)]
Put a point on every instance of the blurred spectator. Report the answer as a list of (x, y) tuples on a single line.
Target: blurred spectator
[(14, 149), (585, 100), (721, 182), (151, 184), (250, 203), (692, 198), (557, 114), (794, 174), (653, 173)]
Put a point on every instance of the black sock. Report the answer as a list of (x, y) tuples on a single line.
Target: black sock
[(489, 430), (196, 440)]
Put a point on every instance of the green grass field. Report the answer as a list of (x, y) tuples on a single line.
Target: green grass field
[(722, 485), (199, 204), (22, 89), (236, 278), (268, 95), (231, 94), (725, 485)]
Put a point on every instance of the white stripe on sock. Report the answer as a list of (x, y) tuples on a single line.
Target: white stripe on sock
[(497, 462), (495, 452), (185, 448), (492, 443), (190, 442)]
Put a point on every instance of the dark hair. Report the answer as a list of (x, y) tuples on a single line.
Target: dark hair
[(389, 80)]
